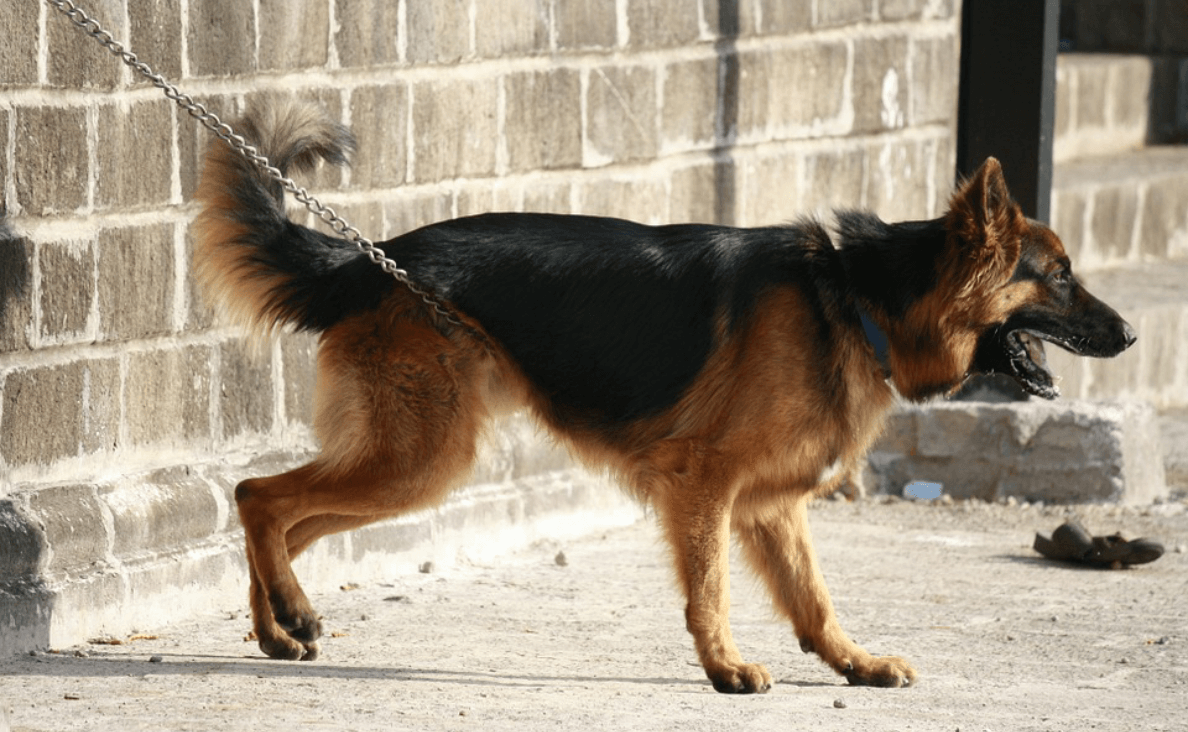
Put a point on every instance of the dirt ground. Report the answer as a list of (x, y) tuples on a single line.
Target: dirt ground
[(1003, 641)]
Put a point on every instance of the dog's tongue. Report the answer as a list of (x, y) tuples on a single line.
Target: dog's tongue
[(1035, 349)]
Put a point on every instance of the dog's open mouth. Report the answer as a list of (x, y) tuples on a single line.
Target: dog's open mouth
[(1027, 363)]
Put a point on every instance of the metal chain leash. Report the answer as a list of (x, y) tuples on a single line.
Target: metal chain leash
[(225, 133)]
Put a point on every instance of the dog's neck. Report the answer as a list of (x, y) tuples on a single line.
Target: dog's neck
[(877, 339)]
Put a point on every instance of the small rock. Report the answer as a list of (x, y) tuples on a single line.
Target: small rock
[(839, 703), (561, 560), (425, 567), (156, 659)]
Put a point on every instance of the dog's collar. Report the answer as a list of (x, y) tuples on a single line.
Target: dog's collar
[(877, 339)]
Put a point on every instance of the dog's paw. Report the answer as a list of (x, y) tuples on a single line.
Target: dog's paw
[(885, 671), (299, 622), (282, 648), (742, 678)]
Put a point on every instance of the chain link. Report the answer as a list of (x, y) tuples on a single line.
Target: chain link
[(224, 132)]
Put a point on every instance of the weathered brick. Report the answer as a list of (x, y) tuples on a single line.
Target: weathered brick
[(57, 183), (298, 369), (135, 281), (1068, 221), (154, 34), (366, 32), (455, 130), (770, 185), (770, 106), (134, 155), (543, 120), (637, 199), (166, 510), (897, 179), (295, 36), (74, 60), (843, 12), (834, 179), (552, 196), (16, 291), (772, 17), (671, 24), (67, 287), (167, 395), (688, 117), (221, 39), (621, 112), (1114, 210), (409, 212), (586, 25), (18, 53), (245, 389), (74, 527), (511, 27), (442, 31), (914, 9), (22, 542), (40, 422), (1163, 217), (379, 120), (693, 194), (880, 85), (933, 93), (193, 140)]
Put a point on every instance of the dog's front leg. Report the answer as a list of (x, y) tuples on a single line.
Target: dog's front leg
[(778, 544), (697, 522)]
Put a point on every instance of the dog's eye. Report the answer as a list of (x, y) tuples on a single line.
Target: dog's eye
[(1061, 276)]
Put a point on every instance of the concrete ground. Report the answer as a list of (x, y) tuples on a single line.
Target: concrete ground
[(1003, 641)]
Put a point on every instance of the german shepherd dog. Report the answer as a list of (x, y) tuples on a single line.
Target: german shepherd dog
[(725, 375)]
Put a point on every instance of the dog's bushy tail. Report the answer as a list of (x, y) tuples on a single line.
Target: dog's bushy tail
[(263, 269)]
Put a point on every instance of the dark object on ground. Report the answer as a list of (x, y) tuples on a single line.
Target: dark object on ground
[(1070, 542)]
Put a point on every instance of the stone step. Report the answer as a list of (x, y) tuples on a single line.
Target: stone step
[(1153, 297), (1173, 428), (1123, 209), (1104, 103)]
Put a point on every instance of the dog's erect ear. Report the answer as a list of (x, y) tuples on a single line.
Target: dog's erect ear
[(985, 225)]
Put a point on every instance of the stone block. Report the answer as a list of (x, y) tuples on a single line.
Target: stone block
[(379, 121), (75, 61), (18, 54), (769, 107), (897, 185), (843, 12), (411, 212), (690, 107), (637, 199), (881, 84), (167, 396), (22, 545), (511, 27), (221, 39), (40, 420), (693, 194), (136, 277), (1057, 452), (933, 90), (440, 31), (134, 155), (548, 197), (1112, 222), (621, 115), (366, 32), (455, 129), (774, 17), (771, 185), (582, 26), (200, 313), (543, 120), (245, 388), (161, 512), (74, 528), (67, 287), (1164, 216), (193, 140), (153, 32), (16, 291), (1068, 221), (295, 35), (672, 23), (299, 372), (834, 179), (57, 183)]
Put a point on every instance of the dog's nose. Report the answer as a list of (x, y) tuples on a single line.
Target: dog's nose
[(1128, 335)]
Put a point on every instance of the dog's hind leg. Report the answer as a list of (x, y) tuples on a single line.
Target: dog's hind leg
[(778, 544), (693, 505)]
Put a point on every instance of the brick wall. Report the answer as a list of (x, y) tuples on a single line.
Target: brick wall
[(125, 403)]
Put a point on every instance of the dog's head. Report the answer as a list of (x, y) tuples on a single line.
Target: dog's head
[(1013, 287)]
